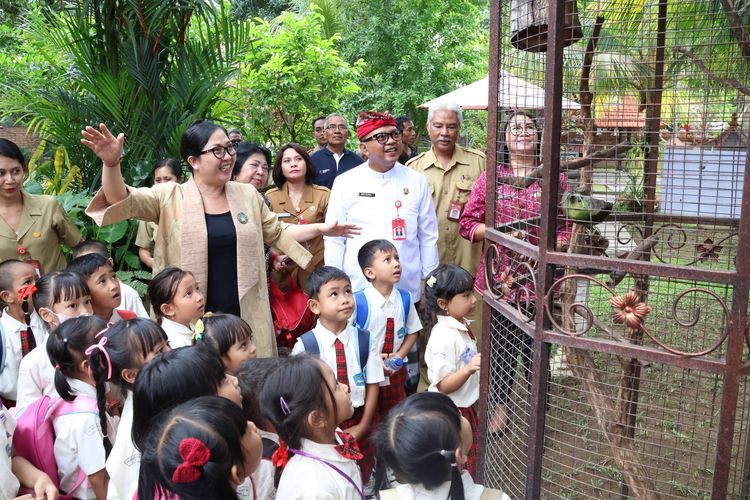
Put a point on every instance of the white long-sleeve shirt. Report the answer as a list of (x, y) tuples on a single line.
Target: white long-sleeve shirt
[(367, 198)]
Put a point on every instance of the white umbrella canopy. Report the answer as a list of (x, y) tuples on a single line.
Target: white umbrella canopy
[(514, 94)]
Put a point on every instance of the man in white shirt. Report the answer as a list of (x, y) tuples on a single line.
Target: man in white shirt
[(388, 201)]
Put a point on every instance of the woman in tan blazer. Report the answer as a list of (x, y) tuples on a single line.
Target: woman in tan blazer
[(32, 227), (209, 226), (297, 200)]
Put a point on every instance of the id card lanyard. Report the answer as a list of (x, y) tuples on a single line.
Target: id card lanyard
[(343, 474), (398, 225)]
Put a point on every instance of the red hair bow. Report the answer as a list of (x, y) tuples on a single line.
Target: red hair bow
[(195, 454), (280, 457), (26, 291)]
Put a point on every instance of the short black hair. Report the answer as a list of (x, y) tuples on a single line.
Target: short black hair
[(252, 376), (86, 265), (317, 118), (366, 254), (245, 150), (90, 246), (170, 163), (195, 139), (6, 274), (320, 277), (10, 149), (401, 120)]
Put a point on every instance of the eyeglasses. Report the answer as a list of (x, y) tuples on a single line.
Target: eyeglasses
[(340, 127), (382, 137), (220, 151), (525, 129)]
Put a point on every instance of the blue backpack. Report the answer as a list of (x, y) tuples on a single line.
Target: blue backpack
[(363, 336), (363, 309)]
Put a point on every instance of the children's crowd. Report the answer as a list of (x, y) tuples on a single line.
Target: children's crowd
[(99, 401)]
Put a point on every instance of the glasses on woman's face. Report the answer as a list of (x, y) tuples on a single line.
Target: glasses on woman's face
[(527, 129), (382, 137), (220, 151)]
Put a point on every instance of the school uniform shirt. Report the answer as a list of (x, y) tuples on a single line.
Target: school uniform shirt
[(178, 335), (44, 225), (182, 240), (307, 479), (124, 460), (264, 474), (8, 482), (78, 444), (131, 301), (36, 375), (373, 372), (368, 198), (448, 340), (448, 184), (11, 336), (146, 235), (380, 309), (472, 491)]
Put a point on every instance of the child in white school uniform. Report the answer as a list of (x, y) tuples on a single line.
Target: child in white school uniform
[(451, 354), (252, 376), (348, 351), (21, 329), (59, 296), (129, 298), (121, 351), (424, 441), (306, 403), (80, 443), (389, 315), (177, 303)]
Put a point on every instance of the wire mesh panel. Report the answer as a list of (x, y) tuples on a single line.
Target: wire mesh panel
[(617, 266)]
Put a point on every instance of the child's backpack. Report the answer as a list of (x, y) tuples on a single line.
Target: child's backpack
[(363, 337), (34, 437), (362, 311)]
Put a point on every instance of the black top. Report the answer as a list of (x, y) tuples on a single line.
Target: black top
[(221, 291)]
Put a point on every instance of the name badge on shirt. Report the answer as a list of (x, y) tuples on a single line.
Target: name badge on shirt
[(367, 195), (401, 332), (359, 379), (467, 355), (398, 226)]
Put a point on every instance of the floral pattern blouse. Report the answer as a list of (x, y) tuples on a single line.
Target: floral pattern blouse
[(513, 204)]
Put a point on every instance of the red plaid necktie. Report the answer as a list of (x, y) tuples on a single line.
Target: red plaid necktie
[(468, 330), (388, 343), (341, 373), (28, 342), (348, 447)]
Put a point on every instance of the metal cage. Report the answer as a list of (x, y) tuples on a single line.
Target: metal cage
[(617, 253)]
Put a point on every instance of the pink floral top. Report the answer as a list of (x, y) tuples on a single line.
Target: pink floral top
[(512, 204)]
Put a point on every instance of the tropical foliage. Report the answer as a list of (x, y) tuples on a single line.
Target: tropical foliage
[(292, 74)]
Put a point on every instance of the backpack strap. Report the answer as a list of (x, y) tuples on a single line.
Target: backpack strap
[(362, 309), (405, 302), (363, 339), (310, 342)]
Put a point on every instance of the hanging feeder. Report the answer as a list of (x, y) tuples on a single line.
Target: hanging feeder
[(528, 24)]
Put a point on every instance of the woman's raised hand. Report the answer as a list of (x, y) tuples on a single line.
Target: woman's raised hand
[(334, 228), (105, 145)]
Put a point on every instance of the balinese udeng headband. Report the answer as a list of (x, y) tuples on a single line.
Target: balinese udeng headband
[(372, 120)]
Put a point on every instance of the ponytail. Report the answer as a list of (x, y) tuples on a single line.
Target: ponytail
[(457, 485), (100, 365)]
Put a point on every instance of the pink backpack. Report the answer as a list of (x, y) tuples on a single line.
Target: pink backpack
[(34, 437)]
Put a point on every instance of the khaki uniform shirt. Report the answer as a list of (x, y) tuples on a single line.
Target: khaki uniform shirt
[(312, 209), (449, 183), (43, 227), (146, 235), (182, 240)]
